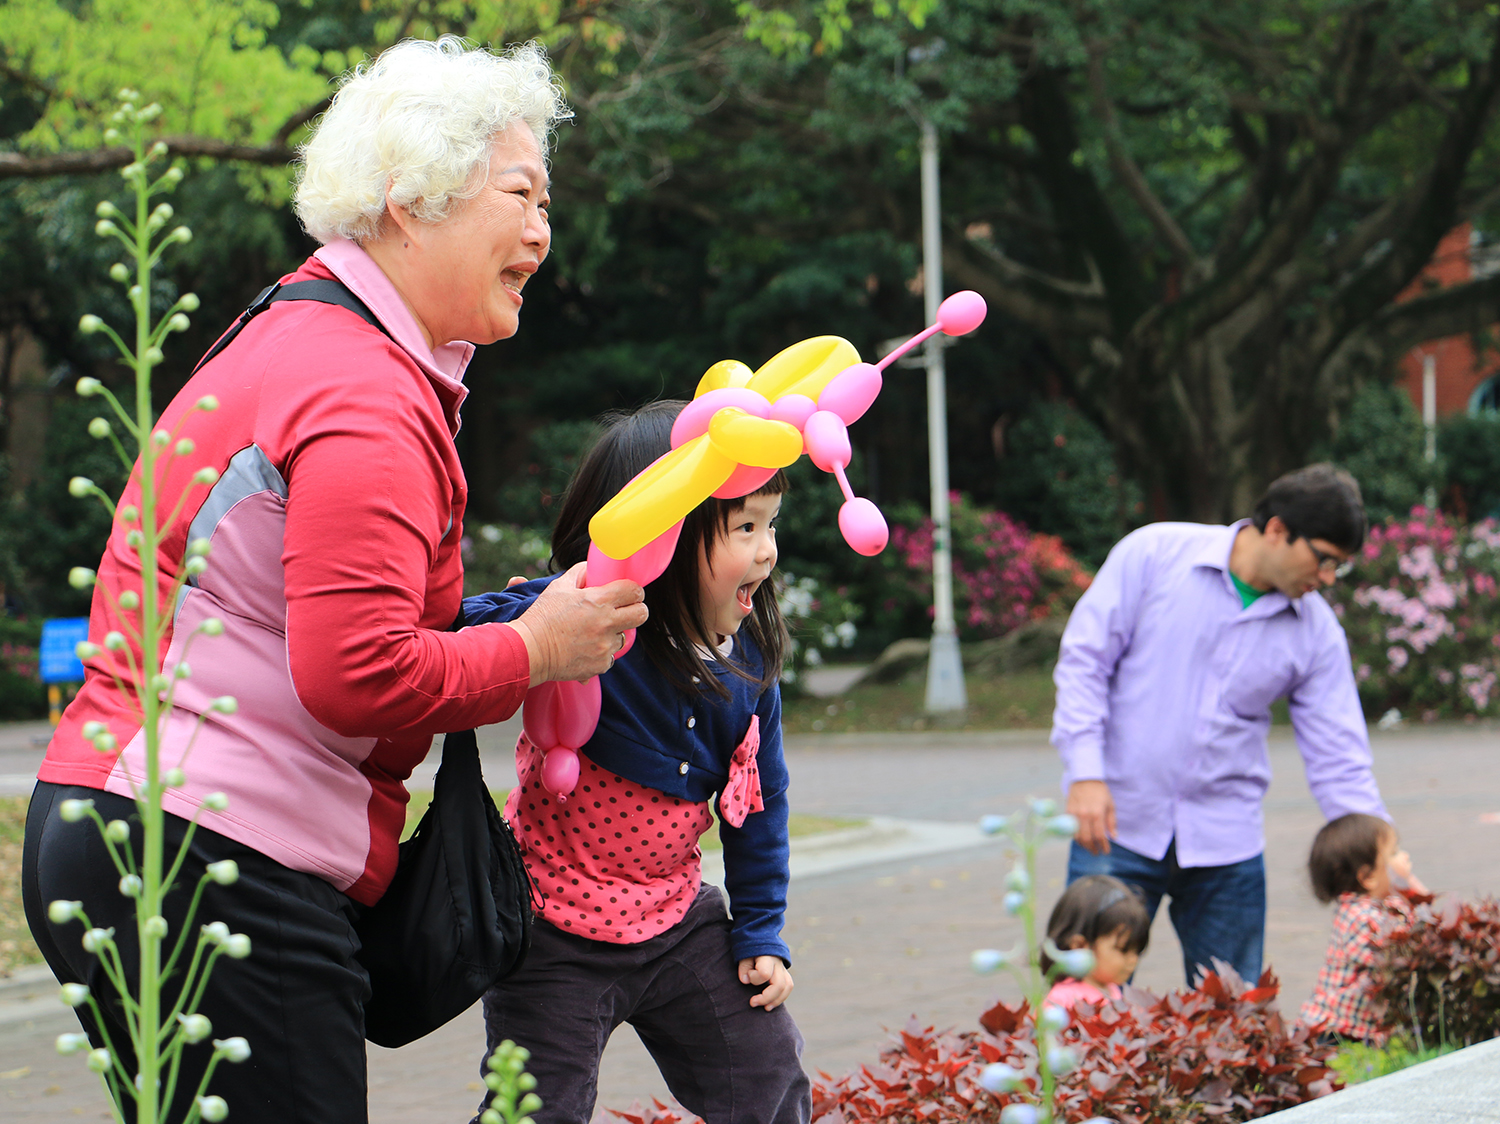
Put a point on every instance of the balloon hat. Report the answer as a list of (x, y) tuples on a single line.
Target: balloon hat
[(739, 430)]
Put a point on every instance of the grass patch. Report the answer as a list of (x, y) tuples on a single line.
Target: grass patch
[(16, 946), (1021, 700), (1356, 1062)]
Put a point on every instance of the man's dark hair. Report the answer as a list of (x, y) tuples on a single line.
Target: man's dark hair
[(1099, 906), (1316, 502), (1342, 849)]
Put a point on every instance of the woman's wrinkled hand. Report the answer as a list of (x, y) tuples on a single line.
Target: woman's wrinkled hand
[(574, 633)]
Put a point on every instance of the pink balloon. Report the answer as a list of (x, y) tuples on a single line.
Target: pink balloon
[(961, 313), (851, 391), (695, 416), (863, 527), (743, 480), (643, 567), (827, 440), (560, 771), (539, 715), (794, 409), (576, 713)]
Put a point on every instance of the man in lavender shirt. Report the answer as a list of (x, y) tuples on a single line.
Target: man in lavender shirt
[(1168, 669)]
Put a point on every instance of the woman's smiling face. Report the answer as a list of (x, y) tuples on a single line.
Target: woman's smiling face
[(477, 260)]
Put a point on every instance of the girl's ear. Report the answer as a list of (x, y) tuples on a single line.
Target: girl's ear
[(1076, 941), (1365, 876)]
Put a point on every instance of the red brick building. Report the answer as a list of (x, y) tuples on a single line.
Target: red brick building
[(1464, 380)]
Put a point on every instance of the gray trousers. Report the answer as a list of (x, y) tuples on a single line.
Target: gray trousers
[(723, 1059)]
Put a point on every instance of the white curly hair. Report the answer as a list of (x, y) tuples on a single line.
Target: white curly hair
[(419, 122)]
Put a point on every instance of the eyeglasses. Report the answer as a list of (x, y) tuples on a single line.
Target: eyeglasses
[(1328, 564)]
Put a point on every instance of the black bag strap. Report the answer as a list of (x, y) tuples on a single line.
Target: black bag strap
[(320, 290)]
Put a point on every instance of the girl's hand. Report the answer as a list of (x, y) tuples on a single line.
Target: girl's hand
[(1402, 876), (768, 970)]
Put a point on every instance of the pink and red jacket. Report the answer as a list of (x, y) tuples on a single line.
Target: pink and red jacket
[(335, 567)]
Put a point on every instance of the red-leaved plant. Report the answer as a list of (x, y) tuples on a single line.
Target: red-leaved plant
[(1220, 1050), (1438, 974)]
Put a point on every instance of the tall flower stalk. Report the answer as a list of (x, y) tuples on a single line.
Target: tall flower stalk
[(160, 1022), (1027, 831)]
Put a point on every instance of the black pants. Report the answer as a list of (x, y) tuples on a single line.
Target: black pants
[(298, 998), (723, 1059)]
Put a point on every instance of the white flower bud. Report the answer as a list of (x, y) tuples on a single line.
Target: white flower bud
[(111, 135), (96, 940), (119, 272), (206, 475), (99, 429), (189, 303), (237, 947), (72, 1043), (1000, 1078), (182, 670), (194, 566), (160, 683), (92, 730), (986, 960), (993, 825), (1053, 1018), (1018, 879), (490, 1116), (156, 927), (178, 323), (174, 778), (103, 228), (225, 704), (117, 831), (74, 810), (1043, 807), (130, 514), (1013, 902), (216, 932), (132, 170), (199, 548), (173, 176), (161, 438), (208, 403), (212, 626), (130, 886), (74, 995), (80, 486), (195, 1028), (134, 539), (114, 641), (184, 446), (212, 1108), (233, 1050), (163, 211), (105, 742), (1061, 1060), (153, 355), (216, 801), (61, 912), (225, 872), (86, 650), (1020, 1114), (130, 601), (1064, 826), (181, 234), (99, 1061), (1076, 962), (88, 387)]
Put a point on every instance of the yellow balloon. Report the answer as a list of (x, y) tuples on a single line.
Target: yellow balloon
[(747, 439), (724, 373), (804, 368), (664, 492)]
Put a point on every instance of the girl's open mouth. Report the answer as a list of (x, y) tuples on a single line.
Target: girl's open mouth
[(744, 594)]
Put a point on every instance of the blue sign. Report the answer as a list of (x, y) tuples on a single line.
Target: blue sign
[(59, 662)]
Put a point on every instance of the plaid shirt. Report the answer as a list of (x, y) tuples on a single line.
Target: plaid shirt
[(1342, 1002)]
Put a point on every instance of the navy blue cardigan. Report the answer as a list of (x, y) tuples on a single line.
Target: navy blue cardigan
[(653, 734)]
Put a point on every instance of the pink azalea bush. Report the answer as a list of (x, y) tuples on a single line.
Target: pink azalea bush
[(1423, 619), (1004, 575)]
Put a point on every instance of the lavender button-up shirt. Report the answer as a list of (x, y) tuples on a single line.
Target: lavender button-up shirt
[(1164, 691)]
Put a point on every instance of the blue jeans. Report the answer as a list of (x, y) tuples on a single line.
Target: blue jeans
[(1218, 911)]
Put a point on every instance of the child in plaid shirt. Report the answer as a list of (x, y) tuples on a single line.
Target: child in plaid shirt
[(1355, 860)]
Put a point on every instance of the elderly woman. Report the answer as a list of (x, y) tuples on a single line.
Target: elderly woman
[(335, 527)]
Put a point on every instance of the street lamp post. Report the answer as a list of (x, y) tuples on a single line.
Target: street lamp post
[(945, 672)]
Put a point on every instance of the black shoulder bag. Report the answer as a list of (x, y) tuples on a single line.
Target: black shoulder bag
[(457, 915)]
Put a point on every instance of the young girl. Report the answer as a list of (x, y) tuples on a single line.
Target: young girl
[(1355, 860), (626, 931), (1108, 918)]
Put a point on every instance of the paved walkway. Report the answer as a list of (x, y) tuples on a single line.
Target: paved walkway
[(879, 938)]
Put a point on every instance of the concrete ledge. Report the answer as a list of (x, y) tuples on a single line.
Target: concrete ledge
[(1457, 1088)]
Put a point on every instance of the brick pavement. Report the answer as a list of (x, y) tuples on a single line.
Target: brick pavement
[(876, 944)]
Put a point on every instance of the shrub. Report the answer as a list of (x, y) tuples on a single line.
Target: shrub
[(22, 694), (1422, 617), (1381, 441), (1470, 449), (1221, 1050), (1438, 974), (1003, 574), (496, 552), (821, 621)]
